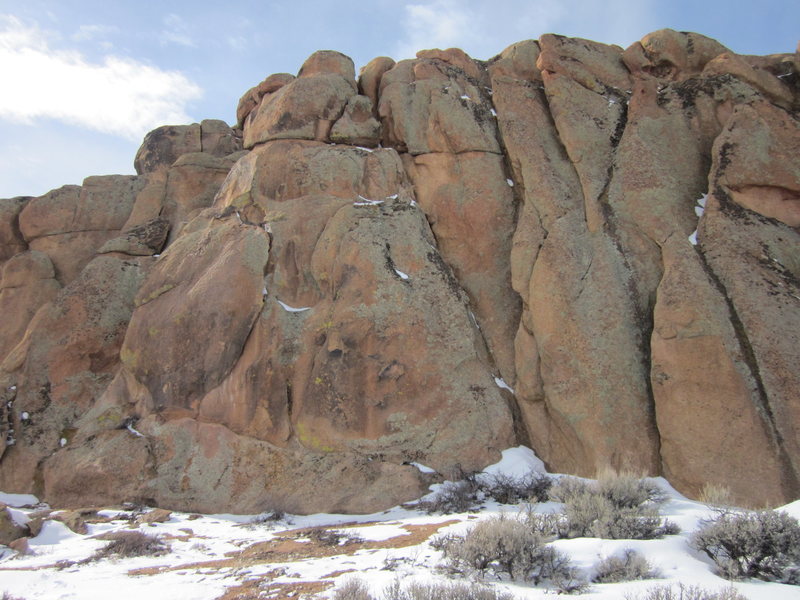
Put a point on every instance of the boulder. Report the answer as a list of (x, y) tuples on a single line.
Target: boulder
[(10, 530), (369, 79), (326, 62), (162, 147), (443, 111), (304, 109), (252, 97), (11, 239)]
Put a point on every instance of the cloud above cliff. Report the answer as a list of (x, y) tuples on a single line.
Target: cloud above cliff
[(476, 26), (115, 94)]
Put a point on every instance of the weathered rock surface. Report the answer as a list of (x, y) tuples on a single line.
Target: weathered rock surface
[(613, 233)]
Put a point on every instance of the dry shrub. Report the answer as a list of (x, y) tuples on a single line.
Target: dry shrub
[(686, 592), (503, 545), (629, 566), (616, 506), (763, 545), (716, 495), (329, 537), (452, 497), (353, 589), (356, 589), (443, 591), (127, 544), (532, 487)]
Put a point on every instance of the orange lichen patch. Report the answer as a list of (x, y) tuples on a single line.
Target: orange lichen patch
[(318, 543)]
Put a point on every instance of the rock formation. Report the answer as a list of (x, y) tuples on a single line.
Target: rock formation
[(589, 250)]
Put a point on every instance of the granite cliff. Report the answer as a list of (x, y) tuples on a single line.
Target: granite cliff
[(588, 250)]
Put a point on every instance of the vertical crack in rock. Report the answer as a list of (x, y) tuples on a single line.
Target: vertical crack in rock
[(763, 406)]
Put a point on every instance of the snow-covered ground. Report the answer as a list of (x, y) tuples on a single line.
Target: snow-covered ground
[(212, 556)]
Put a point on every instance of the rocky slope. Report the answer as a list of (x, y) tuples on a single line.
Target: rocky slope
[(290, 312)]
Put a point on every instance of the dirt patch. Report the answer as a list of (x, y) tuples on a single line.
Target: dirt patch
[(255, 589), (304, 543)]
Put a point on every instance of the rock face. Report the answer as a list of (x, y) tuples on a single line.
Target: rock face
[(612, 234)]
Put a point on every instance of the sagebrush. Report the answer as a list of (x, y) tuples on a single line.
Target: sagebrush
[(616, 506), (629, 565), (504, 545), (356, 589), (127, 544), (469, 490), (762, 544), (686, 592)]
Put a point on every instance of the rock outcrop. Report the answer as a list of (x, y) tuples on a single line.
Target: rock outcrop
[(589, 250)]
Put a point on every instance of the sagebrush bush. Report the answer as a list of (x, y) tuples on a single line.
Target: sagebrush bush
[(686, 592), (468, 491), (453, 497), (443, 591), (504, 545), (127, 544), (352, 589), (616, 506), (627, 566), (356, 589), (532, 487), (763, 545)]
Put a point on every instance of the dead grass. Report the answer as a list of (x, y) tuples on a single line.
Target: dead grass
[(287, 547)]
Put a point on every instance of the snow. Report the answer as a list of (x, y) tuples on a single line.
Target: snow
[(392, 197), (693, 238), (18, 499), (698, 210), (510, 182), (62, 442), (292, 309), (502, 384), (494, 112), (516, 462), (24, 416), (465, 97), (204, 558), (422, 468), (365, 149), (401, 274), (366, 202), (133, 431)]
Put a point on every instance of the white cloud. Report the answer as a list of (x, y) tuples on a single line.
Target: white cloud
[(483, 29), (91, 32), (120, 96), (176, 32)]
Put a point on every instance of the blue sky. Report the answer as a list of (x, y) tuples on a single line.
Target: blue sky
[(84, 80)]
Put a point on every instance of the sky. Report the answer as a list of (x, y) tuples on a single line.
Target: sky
[(84, 80)]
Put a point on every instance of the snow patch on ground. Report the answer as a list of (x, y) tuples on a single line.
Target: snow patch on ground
[(17, 500), (207, 553)]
